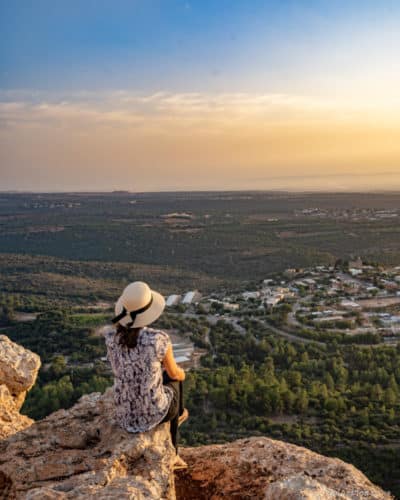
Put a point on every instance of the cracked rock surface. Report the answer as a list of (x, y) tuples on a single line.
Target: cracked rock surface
[(263, 468), (83, 453), (18, 371)]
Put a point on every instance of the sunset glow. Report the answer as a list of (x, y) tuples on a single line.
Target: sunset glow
[(188, 95)]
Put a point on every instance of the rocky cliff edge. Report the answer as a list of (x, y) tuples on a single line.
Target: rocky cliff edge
[(18, 371), (82, 453)]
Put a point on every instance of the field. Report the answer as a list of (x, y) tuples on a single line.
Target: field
[(210, 238)]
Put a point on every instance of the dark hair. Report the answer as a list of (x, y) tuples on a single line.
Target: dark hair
[(127, 337)]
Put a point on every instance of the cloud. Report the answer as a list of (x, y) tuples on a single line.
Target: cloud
[(160, 110), (94, 140)]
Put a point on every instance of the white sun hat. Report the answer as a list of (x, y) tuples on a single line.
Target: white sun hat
[(138, 305)]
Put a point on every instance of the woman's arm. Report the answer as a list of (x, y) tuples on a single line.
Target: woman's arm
[(173, 370)]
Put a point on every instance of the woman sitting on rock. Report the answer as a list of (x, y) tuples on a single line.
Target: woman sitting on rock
[(145, 395)]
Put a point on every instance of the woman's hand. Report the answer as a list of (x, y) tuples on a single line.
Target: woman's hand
[(174, 371)]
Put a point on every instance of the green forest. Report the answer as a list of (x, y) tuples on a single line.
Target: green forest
[(225, 237), (340, 400)]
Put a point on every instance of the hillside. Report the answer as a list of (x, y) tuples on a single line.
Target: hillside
[(82, 453)]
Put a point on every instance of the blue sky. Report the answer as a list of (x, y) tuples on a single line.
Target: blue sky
[(232, 91), (220, 45)]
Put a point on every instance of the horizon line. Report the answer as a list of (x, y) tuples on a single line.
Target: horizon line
[(125, 191)]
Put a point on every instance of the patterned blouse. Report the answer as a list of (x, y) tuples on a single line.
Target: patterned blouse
[(141, 399)]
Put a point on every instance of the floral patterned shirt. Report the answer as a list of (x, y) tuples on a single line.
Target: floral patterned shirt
[(141, 399)]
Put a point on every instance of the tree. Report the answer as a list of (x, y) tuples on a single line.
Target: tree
[(305, 358), (393, 384), (294, 378), (390, 397), (329, 382), (377, 392), (7, 314), (302, 401), (331, 405), (58, 365)]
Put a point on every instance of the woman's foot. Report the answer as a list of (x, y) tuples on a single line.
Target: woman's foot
[(182, 418), (179, 463)]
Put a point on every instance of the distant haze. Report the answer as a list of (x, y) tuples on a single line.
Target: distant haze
[(149, 96)]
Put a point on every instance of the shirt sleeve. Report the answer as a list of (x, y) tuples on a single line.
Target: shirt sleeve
[(162, 343)]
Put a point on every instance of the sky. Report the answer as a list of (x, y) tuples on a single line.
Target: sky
[(165, 95)]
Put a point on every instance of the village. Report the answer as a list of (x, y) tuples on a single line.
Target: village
[(353, 299), (353, 214), (357, 300)]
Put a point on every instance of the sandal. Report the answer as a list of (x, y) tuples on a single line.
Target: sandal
[(179, 463)]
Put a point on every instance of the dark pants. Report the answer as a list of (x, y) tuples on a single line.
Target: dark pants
[(176, 407)]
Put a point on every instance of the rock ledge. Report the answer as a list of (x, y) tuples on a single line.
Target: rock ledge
[(263, 468), (82, 453), (18, 371)]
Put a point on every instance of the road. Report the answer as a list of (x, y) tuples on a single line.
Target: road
[(290, 336), (292, 315), (212, 320)]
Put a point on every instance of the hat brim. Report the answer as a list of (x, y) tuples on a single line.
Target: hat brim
[(146, 317)]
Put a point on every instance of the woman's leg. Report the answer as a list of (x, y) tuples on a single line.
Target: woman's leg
[(176, 408), (174, 432), (181, 407), (176, 388)]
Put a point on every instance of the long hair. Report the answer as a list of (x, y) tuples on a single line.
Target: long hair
[(127, 337)]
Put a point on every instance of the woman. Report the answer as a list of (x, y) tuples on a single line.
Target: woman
[(145, 396)]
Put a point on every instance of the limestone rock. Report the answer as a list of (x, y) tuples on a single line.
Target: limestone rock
[(301, 487), (18, 367), (83, 453), (263, 468), (11, 420), (18, 372)]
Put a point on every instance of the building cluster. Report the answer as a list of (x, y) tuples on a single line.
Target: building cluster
[(353, 214), (177, 215), (354, 298), (351, 298), (52, 205)]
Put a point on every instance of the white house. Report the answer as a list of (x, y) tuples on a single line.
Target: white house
[(272, 301), (267, 282), (250, 295), (350, 304), (229, 306), (191, 297), (328, 319), (173, 300)]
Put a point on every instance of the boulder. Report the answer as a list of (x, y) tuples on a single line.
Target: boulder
[(18, 371), (263, 468), (18, 367), (11, 421), (83, 453)]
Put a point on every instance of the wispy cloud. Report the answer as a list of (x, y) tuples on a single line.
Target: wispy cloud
[(160, 109), (122, 138)]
